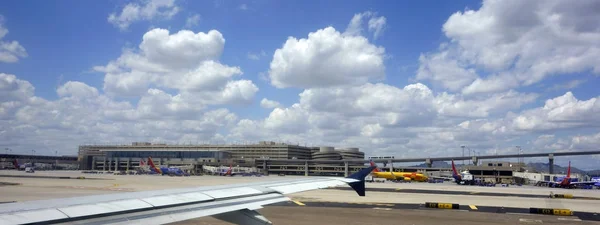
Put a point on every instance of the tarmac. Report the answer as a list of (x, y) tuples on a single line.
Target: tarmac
[(379, 215), (386, 203)]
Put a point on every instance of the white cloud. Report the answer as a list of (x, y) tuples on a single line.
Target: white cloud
[(561, 112), (444, 69), (143, 10), (455, 105), (243, 7), (184, 61), (567, 86), (14, 93), (256, 56), (82, 115), (269, 104), (192, 21), (10, 51), (492, 84), (326, 58), (524, 41), (375, 24)]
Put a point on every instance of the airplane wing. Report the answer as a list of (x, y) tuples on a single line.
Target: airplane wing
[(232, 203)]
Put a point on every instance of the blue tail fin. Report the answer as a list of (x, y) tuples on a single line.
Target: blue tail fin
[(359, 186)]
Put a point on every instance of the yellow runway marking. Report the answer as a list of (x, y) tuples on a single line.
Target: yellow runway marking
[(397, 189), (298, 202), (473, 207)]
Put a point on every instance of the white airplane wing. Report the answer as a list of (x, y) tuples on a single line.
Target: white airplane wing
[(232, 203)]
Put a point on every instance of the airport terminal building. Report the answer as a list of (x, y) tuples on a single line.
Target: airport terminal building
[(124, 157)]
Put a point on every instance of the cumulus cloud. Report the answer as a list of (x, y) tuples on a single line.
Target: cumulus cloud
[(176, 100), (561, 112), (83, 115), (183, 61), (10, 51), (326, 58), (269, 104), (523, 41), (143, 10)]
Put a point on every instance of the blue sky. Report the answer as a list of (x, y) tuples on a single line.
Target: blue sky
[(449, 71)]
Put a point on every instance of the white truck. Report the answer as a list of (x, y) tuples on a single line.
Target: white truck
[(466, 178), (371, 179)]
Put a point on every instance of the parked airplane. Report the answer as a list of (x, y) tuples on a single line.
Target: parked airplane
[(236, 204), (464, 178), (171, 171), (398, 175), (567, 182)]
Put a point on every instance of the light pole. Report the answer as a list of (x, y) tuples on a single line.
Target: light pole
[(463, 154), (32, 153), (520, 160), (8, 150)]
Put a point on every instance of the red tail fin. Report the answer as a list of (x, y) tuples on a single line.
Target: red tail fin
[(454, 169), (152, 166), (569, 170), (142, 163), (229, 171), (373, 164), (16, 164)]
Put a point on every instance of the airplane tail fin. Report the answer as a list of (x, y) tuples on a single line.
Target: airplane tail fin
[(454, 172), (16, 163), (152, 166), (375, 165), (569, 170), (142, 163), (229, 171), (359, 186)]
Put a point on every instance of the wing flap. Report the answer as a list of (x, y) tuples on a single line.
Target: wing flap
[(232, 192), (104, 207), (34, 216), (177, 199)]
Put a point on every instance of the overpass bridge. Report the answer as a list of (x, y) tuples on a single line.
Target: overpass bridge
[(427, 160)]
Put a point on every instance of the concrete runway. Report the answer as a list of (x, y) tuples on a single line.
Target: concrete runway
[(392, 203), (378, 216)]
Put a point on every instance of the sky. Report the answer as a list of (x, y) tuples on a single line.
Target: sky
[(394, 78)]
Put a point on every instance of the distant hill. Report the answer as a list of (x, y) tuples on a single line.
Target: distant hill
[(543, 167), (436, 164)]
